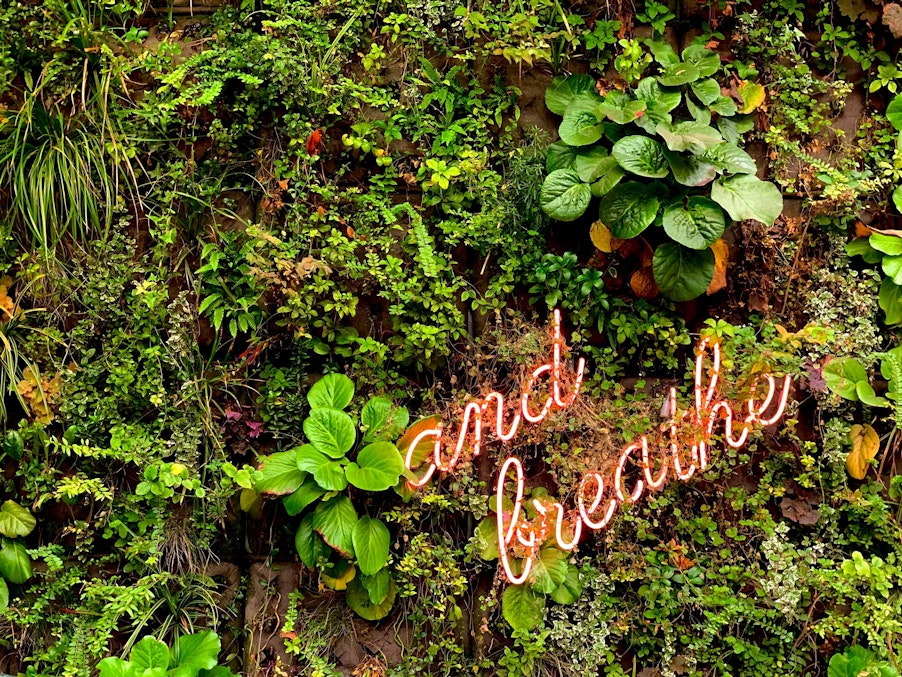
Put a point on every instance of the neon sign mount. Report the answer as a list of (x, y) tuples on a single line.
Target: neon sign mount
[(596, 498)]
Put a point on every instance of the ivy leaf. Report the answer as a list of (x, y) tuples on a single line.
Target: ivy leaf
[(890, 299), (560, 156), (15, 520), (690, 170), (149, 653), (689, 135), (332, 391), (747, 197), (707, 90), (706, 61), (563, 91), (382, 418), (335, 520), (682, 273), (193, 653), (378, 467), (698, 224), (570, 588), (331, 431), (358, 598), (729, 158), (641, 155), (522, 607), (309, 544), (865, 445), (628, 209), (15, 566), (580, 128), (280, 474), (842, 374), (306, 494), (564, 197), (371, 541), (377, 586)]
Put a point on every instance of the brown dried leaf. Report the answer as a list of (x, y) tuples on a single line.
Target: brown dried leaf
[(892, 18), (643, 283), (721, 259)]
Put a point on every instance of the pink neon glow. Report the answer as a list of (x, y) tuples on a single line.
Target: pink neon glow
[(692, 429)]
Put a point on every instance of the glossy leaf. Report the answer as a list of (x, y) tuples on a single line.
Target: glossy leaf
[(707, 90), (865, 445), (522, 607), (280, 474), (149, 653), (382, 418), (697, 224), (628, 209), (563, 91), (15, 520), (689, 136), (378, 467), (335, 520), (4, 595), (331, 431), (549, 569), (332, 391), (306, 494), (842, 374), (592, 162), (116, 667), (580, 128), (15, 565), (689, 170), (570, 588), (192, 653), (679, 74), (371, 542), (706, 61), (358, 598), (377, 585), (682, 273), (888, 244), (310, 546), (729, 158), (560, 156), (641, 155), (564, 197), (890, 299), (747, 197)]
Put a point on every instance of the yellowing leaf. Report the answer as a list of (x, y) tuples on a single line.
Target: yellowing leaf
[(340, 583), (721, 258), (601, 237), (752, 96), (865, 445)]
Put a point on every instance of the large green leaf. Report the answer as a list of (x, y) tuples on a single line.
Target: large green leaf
[(690, 170), (564, 197), (861, 246), (4, 594), (628, 209), (280, 474), (306, 494), (15, 566), (332, 391), (560, 156), (641, 155), (580, 128), (608, 180), (620, 108), (678, 74), (378, 467), (549, 570), (689, 135), (698, 223), (310, 545), (570, 588), (328, 473), (149, 653), (894, 112), (563, 91), (382, 418), (843, 374), (371, 540), (705, 60), (15, 520), (358, 598), (377, 585), (14, 445), (116, 667), (522, 607), (331, 431), (591, 162), (747, 197), (682, 273), (897, 198), (192, 653), (707, 90), (724, 106), (664, 100), (890, 299), (888, 244), (335, 520), (485, 538), (892, 267), (728, 157)]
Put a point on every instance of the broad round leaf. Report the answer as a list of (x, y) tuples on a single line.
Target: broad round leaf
[(522, 607), (15, 566), (698, 224), (14, 445), (564, 90), (690, 170), (192, 653), (337, 578), (689, 135), (728, 157), (310, 545), (549, 570), (15, 520), (335, 520), (560, 156), (842, 374), (580, 128), (332, 391), (328, 474), (590, 163), (116, 667), (603, 173), (707, 90), (890, 298), (664, 100), (358, 598), (371, 541), (485, 539), (641, 155), (570, 588), (281, 474), (149, 653), (707, 61), (381, 418), (892, 267), (628, 209), (888, 244), (378, 585), (894, 112), (378, 467), (331, 431), (678, 74), (306, 494), (564, 197), (681, 273), (747, 197)]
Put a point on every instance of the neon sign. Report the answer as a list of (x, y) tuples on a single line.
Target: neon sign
[(596, 497)]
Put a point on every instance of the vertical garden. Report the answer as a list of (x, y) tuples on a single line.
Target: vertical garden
[(373, 338)]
